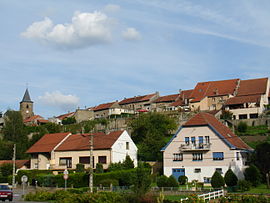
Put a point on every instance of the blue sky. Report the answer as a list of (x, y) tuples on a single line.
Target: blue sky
[(82, 53)]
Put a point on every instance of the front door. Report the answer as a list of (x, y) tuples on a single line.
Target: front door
[(176, 172)]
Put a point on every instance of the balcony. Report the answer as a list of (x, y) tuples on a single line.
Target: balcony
[(195, 147)]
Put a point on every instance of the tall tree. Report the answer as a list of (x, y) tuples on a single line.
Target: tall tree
[(149, 132)]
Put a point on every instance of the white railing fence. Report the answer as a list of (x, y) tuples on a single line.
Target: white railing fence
[(209, 196)]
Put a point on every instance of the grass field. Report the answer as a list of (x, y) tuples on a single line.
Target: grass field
[(261, 189)]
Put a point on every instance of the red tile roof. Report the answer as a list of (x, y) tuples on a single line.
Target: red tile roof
[(62, 117), (213, 88), (167, 98), (253, 86), (185, 94), (243, 99), (103, 106), (206, 119), (47, 143), (137, 99), (33, 118), (78, 142), (19, 163)]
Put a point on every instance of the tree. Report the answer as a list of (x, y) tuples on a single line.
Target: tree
[(80, 168), (217, 181), (230, 178), (99, 168), (69, 120), (149, 133), (253, 175), (6, 169), (242, 127), (14, 129), (226, 115), (128, 163), (172, 182), (261, 158), (6, 150), (182, 180), (142, 181)]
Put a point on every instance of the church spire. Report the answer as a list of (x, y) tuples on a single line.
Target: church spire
[(26, 97)]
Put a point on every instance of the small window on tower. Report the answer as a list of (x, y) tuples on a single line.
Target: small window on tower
[(27, 106)]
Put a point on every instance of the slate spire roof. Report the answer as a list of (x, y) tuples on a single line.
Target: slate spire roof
[(26, 97)]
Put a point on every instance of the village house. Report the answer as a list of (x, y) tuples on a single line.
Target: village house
[(35, 120), (162, 103), (110, 110), (250, 100), (202, 146), (213, 94), (182, 102), (139, 103), (59, 151)]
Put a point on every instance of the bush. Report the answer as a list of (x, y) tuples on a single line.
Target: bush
[(230, 178), (128, 163), (217, 181), (99, 168), (242, 127), (243, 185), (253, 175), (80, 168), (182, 180), (31, 174), (109, 182), (164, 181)]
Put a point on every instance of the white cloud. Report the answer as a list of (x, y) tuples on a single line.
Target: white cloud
[(111, 8), (85, 29), (59, 100), (131, 34)]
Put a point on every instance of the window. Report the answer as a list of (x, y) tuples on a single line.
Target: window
[(243, 116), (127, 145), (207, 179), (178, 157), (86, 160), (197, 156), (217, 156), (237, 156), (36, 165), (102, 159), (253, 115), (65, 161), (201, 142), (219, 170), (207, 139), (187, 140), (193, 141), (197, 170)]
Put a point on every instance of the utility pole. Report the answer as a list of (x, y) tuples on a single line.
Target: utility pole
[(91, 163), (14, 166)]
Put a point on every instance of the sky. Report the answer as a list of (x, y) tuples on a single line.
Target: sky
[(77, 54)]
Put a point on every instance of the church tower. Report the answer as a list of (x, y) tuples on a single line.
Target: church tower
[(26, 105)]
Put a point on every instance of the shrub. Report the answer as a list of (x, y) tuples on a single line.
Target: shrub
[(128, 163), (244, 185), (253, 175), (79, 168), (31, 174), (99, 168), (242, 127), (109, 182), (182, 180), (217, 181), (230, 178), (162, 181), (172, 182)]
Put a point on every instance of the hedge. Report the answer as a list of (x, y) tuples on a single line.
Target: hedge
[(31, 174)]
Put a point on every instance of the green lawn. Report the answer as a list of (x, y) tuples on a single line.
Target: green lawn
[(175, 197), (261, 189)]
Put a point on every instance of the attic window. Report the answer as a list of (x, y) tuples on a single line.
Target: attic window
[(200, 90)]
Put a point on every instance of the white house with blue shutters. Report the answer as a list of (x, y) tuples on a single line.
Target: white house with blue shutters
[(202, 146)]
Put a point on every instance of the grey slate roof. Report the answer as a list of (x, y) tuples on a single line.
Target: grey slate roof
[(26, 97)]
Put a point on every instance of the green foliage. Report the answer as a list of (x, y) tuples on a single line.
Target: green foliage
[(230, 178), (31, 174), (109, 182), (128, 163), (149, 132), (80, 168), (245, 199), (253, 175), (6, 169), (69, 120), (182, 180), (217, 181), (99, 168), (226, 115), (242, 127), (142, 181), (244, 185), (115, 167), (6, 150), (52, 127), (164, 181), (261, 157)]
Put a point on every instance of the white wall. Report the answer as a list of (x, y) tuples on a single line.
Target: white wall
[(119, 151)]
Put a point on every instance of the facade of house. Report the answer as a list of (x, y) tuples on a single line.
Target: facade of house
[(139, 103), (202, 146), (182, 102), (65, 150), (163, 103), (213, 94), (250, 100)]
